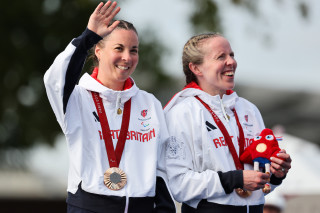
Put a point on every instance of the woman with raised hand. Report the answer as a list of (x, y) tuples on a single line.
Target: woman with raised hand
[(115, 132)]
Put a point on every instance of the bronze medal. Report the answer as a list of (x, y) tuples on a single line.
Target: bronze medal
[(243, 193), (115, 179)]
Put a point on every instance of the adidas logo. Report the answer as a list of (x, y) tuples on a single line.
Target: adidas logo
[(210, 126), (96, 117)]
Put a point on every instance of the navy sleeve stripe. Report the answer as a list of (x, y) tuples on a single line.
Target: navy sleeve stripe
[(83, 43), (231, 180), (276, 181)]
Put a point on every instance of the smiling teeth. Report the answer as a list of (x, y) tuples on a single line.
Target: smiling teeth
[(230, 73), (123, 68)]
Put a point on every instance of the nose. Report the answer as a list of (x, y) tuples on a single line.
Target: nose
[(231, 61), (126, 56)]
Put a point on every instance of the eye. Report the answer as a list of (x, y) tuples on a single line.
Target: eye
[(118, 48), (269, 137), (219, 56), (222, 56), (134, 50), (257, 138)]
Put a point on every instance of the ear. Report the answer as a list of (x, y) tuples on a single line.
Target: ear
[(97, 51), (195, 69)]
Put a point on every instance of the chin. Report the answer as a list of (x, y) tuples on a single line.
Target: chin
[(231, 86)]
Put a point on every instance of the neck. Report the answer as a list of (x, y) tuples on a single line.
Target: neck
[(212, 91), (114, 85)]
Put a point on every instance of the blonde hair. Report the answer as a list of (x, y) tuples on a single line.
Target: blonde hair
[(192, 52)]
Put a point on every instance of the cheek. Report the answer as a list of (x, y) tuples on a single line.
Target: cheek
[(216, 69), (112, 58), (107, 61), (235, 64), (135, 60)]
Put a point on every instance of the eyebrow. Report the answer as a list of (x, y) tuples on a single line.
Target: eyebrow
[(218, 54), (136, 47)]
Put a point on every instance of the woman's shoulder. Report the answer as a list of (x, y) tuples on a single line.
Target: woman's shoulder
[(245, 106), (245, 102), (183, 105), (145, 94), (148, 97)]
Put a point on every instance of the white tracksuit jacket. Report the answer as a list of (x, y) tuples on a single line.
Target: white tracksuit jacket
[(197, 149), (142, 158)]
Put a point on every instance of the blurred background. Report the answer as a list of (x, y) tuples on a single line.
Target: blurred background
[(276, 45)]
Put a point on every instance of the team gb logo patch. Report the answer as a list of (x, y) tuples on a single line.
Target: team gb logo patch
[(144, 113)]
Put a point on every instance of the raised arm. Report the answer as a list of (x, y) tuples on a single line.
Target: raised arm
[(62, 76)]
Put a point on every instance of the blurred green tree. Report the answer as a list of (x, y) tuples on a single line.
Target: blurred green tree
[(207, 14), (34, 33)]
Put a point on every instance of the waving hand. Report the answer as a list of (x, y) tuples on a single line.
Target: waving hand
[(102, 16)]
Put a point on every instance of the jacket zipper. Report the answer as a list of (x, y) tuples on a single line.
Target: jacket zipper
[(224, 111)]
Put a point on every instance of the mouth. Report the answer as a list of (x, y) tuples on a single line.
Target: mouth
[(122, 67), (229, 73)]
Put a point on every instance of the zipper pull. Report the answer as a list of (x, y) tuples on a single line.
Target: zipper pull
[(119, 111)]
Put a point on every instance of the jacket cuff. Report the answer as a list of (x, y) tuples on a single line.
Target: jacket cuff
[(231, 180), (276, 181), (88, 39)]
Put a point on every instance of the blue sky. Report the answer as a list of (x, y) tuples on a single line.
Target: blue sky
[(289, 60)]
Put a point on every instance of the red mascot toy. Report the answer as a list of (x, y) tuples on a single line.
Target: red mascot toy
[(260, 151)]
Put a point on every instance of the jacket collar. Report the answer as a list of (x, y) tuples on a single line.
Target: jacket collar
[(193, 89), (91, 83)]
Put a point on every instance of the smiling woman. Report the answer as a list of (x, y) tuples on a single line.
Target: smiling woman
[(117, 56), (112, 128), (209, 126), (216, 68)]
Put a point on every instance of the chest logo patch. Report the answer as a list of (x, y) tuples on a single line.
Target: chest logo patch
[(144, 113), (210, 126)]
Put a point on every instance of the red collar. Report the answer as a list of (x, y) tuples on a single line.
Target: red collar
[(127, 84), (194, 85)]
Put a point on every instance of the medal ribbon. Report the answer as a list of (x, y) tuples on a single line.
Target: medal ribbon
[(226, 135), (114, 156)]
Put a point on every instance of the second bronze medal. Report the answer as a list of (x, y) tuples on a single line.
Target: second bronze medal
[(115, 178)]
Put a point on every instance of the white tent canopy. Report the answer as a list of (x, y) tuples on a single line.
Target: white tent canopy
[(304, 176)]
